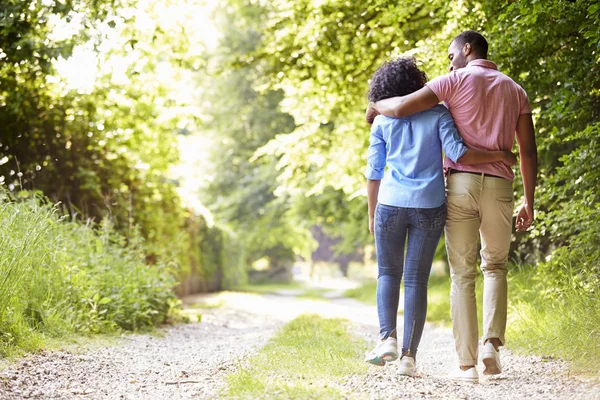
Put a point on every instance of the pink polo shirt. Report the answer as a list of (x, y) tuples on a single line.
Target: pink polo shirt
[(485, 105)]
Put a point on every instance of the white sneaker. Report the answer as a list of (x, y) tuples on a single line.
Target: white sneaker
[(491, 360), (407, 366), (469, 375), (386, 351)]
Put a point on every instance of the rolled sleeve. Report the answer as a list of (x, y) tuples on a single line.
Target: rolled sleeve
[(452, 143), (376, 159)]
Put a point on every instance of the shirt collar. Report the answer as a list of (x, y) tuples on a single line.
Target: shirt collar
[(482, 63)]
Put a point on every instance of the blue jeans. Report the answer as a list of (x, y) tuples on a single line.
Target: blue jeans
[(420, 229)]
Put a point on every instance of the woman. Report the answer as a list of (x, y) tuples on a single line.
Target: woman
[(407, 204)]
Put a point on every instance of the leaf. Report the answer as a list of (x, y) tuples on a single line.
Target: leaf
[(105, 300), (594, 8)]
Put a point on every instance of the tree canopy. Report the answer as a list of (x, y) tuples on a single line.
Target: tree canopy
[(323, 53)]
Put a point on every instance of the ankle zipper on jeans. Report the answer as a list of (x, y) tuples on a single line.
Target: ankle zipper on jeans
[(412, 334)]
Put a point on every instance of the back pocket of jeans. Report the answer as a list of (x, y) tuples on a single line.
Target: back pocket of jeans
[(432, 218), (385, 217)]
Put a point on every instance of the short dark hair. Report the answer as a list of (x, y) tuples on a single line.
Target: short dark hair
[(398, 77), (476, 40)]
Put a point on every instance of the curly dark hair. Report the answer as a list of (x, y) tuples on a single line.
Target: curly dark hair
[(398, 77)]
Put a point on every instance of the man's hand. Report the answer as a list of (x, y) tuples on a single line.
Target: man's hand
[(509, 158), (371, 114), (372, 225), (524, 217), (528, 152)]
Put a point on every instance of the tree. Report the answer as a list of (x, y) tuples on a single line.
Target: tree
[(106, 150), (242, 193), (553, 46), (322, 54)]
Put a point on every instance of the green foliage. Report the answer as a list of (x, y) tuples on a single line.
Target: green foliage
[(59, 276), (367, 293), (543, 319), (559, 67), (242, 195), (572, 219), (104, 150), (322, 54), (318, 354)]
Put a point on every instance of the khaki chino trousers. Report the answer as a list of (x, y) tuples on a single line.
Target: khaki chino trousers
[(479, 207)]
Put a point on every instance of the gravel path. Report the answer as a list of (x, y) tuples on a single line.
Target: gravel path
[(523, 377), (191, 361)]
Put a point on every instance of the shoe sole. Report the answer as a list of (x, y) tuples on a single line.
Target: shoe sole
[(468, 380), (383, 359), (491, 366), (404, 372)]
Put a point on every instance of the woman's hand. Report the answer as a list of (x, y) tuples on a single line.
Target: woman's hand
[(509, 158), (371, 114), (372, 225)]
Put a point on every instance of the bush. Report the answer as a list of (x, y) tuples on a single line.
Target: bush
[(59, 276)]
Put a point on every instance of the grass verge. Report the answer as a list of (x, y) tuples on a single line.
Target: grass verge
[(264, 288), (299, 288), (308, 358), (365, 293), (566, 327), (314, 294), (438, 307), (60, 277)]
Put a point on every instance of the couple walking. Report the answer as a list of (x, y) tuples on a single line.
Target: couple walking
[(408, 209)]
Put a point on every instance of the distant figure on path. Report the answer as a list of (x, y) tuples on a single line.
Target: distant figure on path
[(488, 108), (407, 204)]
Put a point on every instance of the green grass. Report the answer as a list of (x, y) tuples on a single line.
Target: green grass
[(207, 305), (314, 294), (309, 358), (364, 293), (567, 327), (264, 288), (192, 313), (60, 277), (438, 308), (438, 300), (299, 288)]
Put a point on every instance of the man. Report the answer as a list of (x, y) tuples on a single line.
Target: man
[(488, 108)]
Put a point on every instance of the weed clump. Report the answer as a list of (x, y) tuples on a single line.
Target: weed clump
[(59, 276)]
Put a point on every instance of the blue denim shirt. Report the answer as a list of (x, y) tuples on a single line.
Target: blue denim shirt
[(411, 148)]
